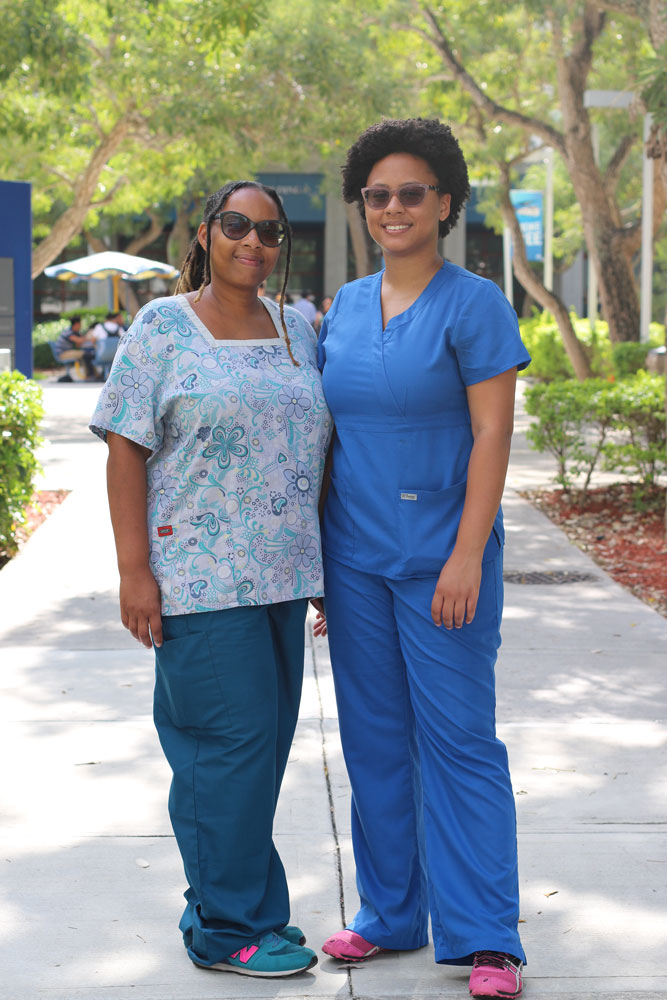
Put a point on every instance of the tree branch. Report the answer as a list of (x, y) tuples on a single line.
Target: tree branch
[(535, 288), (617, 162), (494, 110)]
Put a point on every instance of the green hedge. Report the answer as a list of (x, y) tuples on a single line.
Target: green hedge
[(549, 362), (20, 415), (619, 426)]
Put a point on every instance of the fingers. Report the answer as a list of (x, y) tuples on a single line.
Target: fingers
[(155, 623), (452, 611)]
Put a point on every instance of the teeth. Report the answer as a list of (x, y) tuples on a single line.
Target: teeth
[(396, 229)]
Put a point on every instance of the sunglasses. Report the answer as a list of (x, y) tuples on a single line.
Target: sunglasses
[(409, 195), (235, 226)]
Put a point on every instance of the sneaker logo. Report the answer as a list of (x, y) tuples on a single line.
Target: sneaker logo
[(245, 954)]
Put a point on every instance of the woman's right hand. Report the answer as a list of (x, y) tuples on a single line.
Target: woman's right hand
[(140, 606)]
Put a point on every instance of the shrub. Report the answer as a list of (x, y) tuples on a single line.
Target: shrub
[(638, 407), (629, 357), (20, 415), (620, 423), (549, 362), (573, 421)]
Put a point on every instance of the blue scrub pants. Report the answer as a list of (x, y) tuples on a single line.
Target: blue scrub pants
[(433, 817), (227, 692)]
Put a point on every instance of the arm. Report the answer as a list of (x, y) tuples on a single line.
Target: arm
[(126, 487), (320, 626), (491, 405)]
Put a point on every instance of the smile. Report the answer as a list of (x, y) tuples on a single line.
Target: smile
[(252, 261), (395, 228)]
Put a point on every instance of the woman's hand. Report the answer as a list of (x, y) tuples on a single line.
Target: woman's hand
[(455, 598), (320, 625), (140, 606)]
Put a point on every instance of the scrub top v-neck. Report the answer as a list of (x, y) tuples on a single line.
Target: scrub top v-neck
[(403, 435)]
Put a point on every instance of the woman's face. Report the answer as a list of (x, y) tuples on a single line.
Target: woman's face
[(399, 229), (243, 263)]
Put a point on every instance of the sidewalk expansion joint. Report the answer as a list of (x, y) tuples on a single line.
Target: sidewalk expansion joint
[(332, 815)]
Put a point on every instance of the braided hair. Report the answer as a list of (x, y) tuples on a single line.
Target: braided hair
[(196, 268)]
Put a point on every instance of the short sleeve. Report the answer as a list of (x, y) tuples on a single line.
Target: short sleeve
[(129, 403), (486, 337), (326, 322)]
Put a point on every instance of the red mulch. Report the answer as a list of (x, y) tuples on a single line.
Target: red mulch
[(42, 504), (625, 536)]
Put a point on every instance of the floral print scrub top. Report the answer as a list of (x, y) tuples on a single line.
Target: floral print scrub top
[(238, 436)]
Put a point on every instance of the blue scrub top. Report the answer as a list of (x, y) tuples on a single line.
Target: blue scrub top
[(403, 436)]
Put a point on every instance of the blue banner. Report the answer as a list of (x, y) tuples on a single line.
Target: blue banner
[(528, 206)]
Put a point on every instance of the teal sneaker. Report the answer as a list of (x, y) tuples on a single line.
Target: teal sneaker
[(292, 934), (267, 957)]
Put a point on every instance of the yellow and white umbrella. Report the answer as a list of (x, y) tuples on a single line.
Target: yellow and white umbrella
[(111, 264)]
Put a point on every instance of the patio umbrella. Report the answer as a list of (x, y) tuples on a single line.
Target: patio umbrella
[(111, 264)]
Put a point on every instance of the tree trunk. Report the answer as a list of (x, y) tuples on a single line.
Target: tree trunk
[(548, 300), (181, 234), (71, 221), (147, 237), (618, 292), (357, 230), (616, 281)]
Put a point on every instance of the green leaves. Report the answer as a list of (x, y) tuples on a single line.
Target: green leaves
[(20, 416), (621, 424)]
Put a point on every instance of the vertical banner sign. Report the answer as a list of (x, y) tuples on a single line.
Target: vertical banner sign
[(528, 206)]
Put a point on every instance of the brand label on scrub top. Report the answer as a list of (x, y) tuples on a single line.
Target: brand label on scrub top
[(408, 496), (165, 530)]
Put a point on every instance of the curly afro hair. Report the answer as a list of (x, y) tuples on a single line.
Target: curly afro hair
[(426, 138)]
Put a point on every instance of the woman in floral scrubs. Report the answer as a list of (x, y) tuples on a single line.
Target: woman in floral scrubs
[(217, 431)]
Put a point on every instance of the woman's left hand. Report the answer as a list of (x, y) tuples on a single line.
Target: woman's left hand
[(455, 598), (320, 625)]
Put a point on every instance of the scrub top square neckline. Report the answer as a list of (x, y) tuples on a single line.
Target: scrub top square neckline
[(256, 341), (400, 319)]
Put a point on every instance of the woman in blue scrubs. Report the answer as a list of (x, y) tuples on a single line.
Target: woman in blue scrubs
[(419, 365)]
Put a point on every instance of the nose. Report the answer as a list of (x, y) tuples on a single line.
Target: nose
[(252, 239), (394, 203)]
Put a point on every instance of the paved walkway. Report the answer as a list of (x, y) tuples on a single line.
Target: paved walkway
[(92, 877)]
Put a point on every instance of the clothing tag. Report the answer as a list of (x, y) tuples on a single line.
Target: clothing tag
[(165, 530), (408, 496)]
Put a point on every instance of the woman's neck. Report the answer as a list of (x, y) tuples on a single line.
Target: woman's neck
[(411, 272)]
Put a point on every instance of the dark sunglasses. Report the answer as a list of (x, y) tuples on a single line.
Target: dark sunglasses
[(409, 195), (235, 226)]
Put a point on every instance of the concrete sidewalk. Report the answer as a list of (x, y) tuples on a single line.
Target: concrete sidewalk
[(92, 876)]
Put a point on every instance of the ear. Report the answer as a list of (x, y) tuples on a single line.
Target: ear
[(445, 203), (201, 235)]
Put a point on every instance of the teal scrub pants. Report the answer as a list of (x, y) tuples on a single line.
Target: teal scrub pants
[(227, 692), (433, 817)]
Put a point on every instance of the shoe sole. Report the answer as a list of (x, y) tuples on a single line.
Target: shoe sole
[(223, 967), (350, 958), (498, 993)]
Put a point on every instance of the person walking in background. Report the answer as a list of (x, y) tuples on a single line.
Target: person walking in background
[(217, 432), (419, 365), (304, 303)]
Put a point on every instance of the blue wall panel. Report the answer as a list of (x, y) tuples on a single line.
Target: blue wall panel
[(16, 247)]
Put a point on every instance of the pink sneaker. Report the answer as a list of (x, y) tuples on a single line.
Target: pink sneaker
[(349, 947), (495, 974)]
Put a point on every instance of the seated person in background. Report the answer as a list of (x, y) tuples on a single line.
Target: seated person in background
[(111, 327), (72, 345)]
